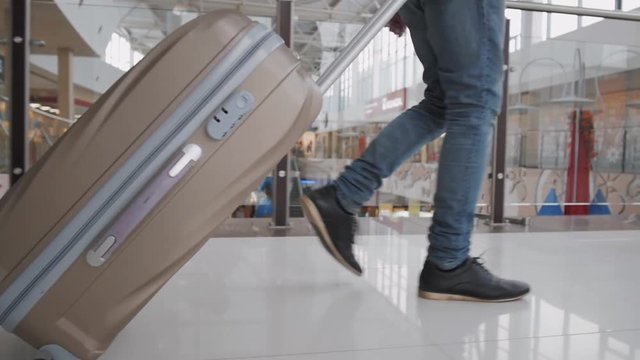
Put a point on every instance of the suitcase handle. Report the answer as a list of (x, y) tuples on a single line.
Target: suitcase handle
[(358, 43), (142, 205)]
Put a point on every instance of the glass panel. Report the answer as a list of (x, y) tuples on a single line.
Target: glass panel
[(573, 121), (384, 80), (5, 11), (628, 5), (387, 80), (107, 38), (4, 147)]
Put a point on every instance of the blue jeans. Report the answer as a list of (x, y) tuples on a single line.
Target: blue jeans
[(459, 43)]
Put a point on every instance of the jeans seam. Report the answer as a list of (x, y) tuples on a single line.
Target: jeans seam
[(484, 49), (483, 95)]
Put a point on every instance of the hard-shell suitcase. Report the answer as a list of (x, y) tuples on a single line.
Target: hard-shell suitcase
[(132, 191), (134, 188)]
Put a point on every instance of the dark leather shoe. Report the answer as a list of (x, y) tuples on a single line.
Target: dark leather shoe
[(334, 226), (470, 282)]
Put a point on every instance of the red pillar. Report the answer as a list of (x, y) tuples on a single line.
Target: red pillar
[(362, 144), (578, 182)]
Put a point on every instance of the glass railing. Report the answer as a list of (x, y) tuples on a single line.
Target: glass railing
[(548, 73), (542, 158), (43, 131), (384, 80), (116, 35), (4, 138), (574, 127)]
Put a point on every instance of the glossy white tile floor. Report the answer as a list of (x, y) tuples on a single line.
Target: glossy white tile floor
[(284, 298)]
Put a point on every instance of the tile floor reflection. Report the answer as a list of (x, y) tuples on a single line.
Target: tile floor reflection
[(284, 298)]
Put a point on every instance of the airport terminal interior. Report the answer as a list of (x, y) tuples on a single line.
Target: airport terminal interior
[(559, 207)]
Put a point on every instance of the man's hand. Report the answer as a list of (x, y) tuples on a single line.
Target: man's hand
[(396, 25)]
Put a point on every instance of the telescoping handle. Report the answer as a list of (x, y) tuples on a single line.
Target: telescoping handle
[(358, 43)]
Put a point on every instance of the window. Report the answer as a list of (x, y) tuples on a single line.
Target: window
[(590, 20), (630, 4), (385, 46), (365, 58), (410, 49), (599, 4), (346, 88), (120, 54), (565, 2), (544, 35), (137, 56), (596, 4), (515, 28), (561, 24)]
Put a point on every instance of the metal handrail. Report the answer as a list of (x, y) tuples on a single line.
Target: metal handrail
[(54, 117), (391, 7), (572, 10), (358, 43)]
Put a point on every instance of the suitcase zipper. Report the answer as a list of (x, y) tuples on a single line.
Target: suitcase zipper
[(40, 275)]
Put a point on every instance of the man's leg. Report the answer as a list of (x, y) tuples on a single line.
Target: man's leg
[(467, 37), (331, 209), (403, 137), (406, 134)]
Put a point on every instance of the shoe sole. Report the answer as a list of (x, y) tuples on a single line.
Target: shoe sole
[(313, 215), (453, 297)]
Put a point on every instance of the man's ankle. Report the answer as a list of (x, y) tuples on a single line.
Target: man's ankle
[(448, 265)]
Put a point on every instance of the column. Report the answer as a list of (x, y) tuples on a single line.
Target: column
[(19, 40), (66, 96), (281, 173)]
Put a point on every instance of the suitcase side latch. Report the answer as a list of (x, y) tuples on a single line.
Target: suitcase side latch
[(230, 115)]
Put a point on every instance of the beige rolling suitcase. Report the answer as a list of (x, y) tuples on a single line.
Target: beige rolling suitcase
[(134, 189)]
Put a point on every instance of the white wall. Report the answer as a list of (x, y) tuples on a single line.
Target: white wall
[(94, 20), (91, 73)]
